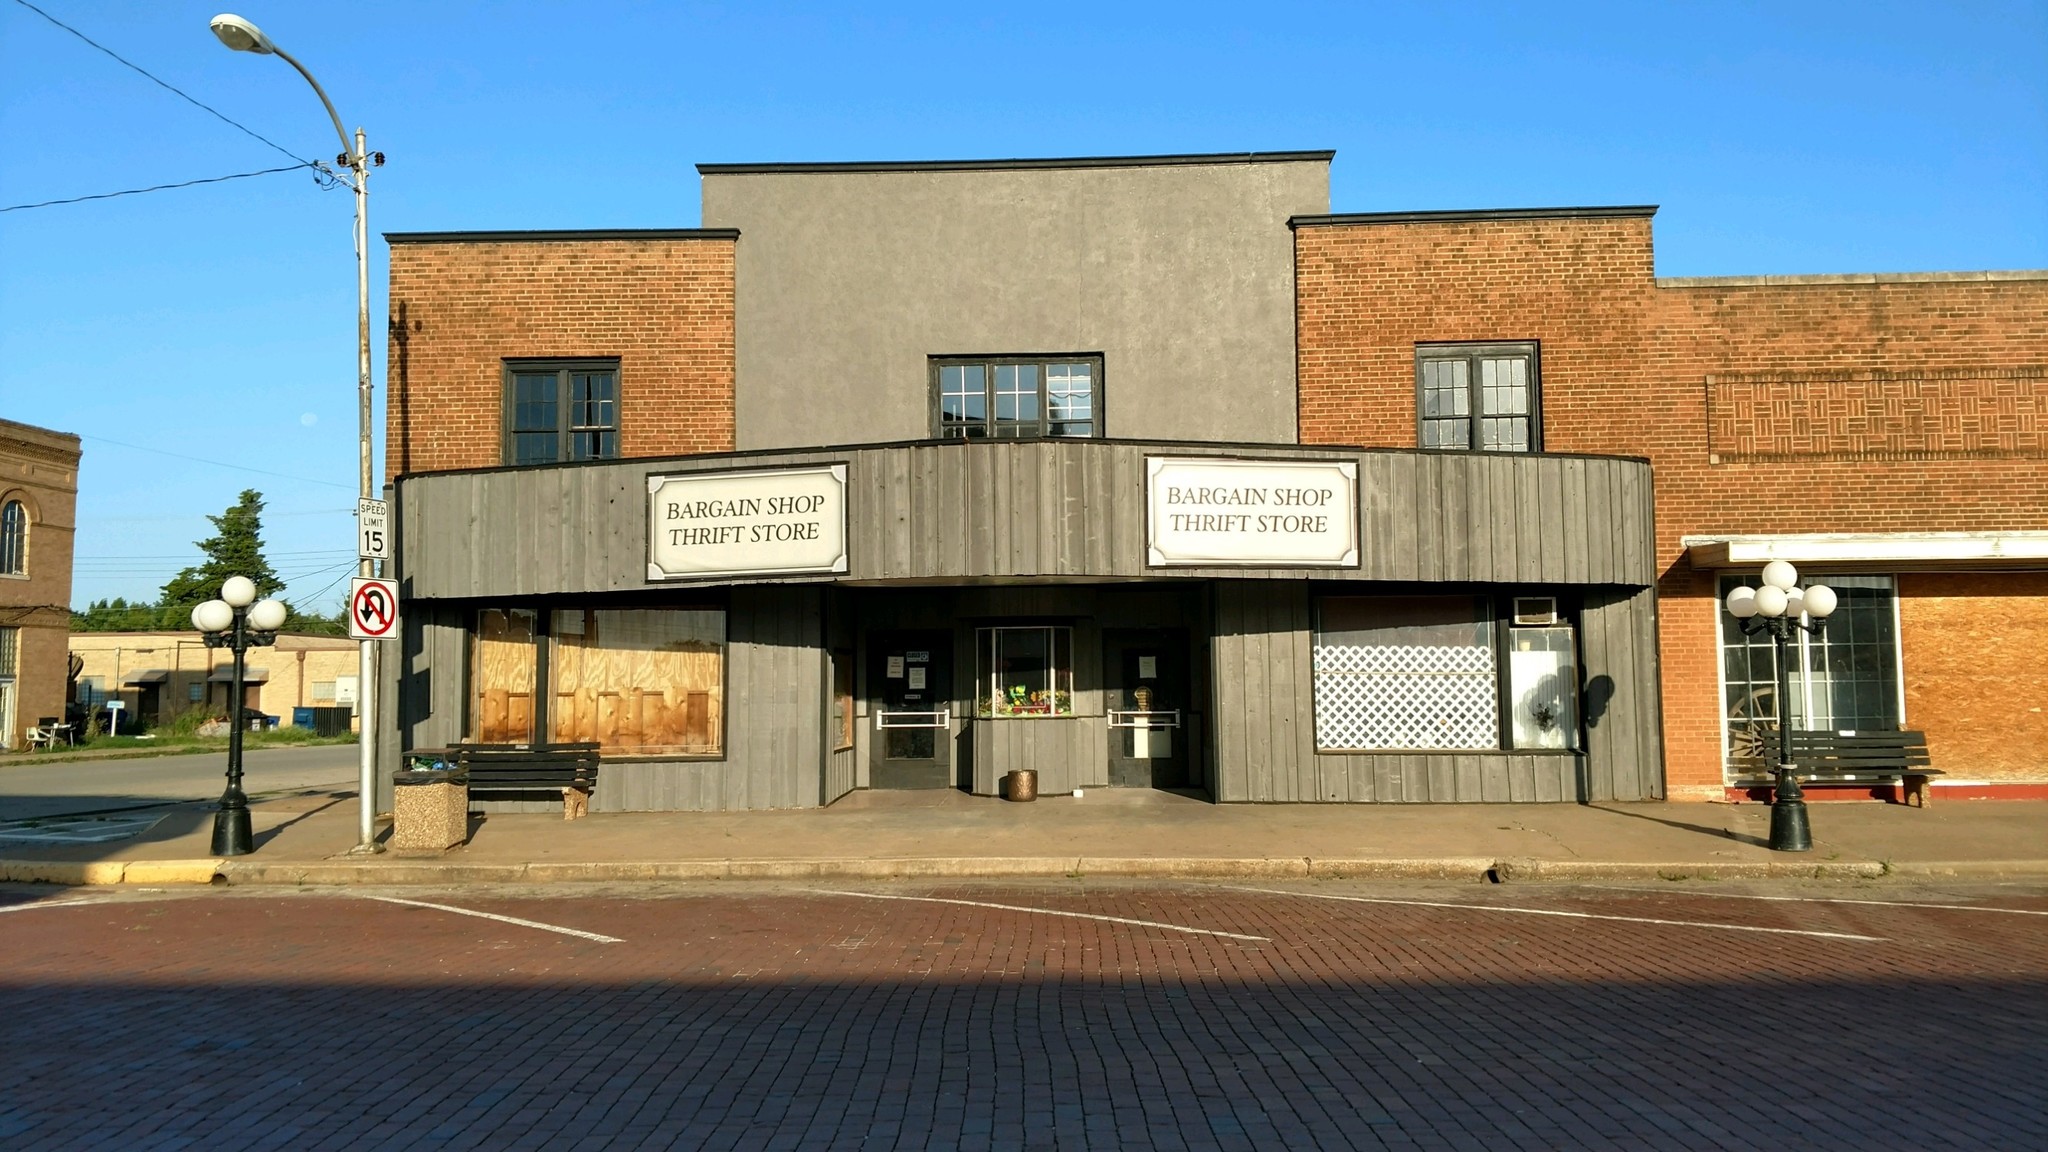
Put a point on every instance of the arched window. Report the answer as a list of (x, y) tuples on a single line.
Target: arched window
[(13, 538)]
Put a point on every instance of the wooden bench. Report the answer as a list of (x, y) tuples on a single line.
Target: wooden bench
[(1844, 756), (567, 769)]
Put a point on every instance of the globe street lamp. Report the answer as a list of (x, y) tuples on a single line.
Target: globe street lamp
[(1777, 608), (243, 36), (238, 622)]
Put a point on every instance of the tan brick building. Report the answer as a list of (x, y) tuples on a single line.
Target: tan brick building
[(999, 377), (38, 517), (159, 676)]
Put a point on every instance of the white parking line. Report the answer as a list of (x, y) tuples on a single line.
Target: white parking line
[(501, 919), (1045, 912), (1823, 900), (1568, 915), (52, 904)]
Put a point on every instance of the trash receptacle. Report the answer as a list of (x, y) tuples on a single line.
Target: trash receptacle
[(429, 807), (1021, 784)]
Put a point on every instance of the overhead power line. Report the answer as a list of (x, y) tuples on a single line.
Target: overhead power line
[(216, 463), (161, 187), (174, 90)]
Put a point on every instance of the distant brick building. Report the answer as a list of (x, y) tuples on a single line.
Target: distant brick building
[(1149, 471), (38, 515)]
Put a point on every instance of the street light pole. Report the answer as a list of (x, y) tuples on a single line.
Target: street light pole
[(1776, 609), (243, 36)]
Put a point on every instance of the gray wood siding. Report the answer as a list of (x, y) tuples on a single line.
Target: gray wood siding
[(1067, 753), (1071, 509), (1265, 716)]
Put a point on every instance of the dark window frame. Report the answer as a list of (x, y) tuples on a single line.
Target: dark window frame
[(1472, 353), (989, 363), (564, 431)]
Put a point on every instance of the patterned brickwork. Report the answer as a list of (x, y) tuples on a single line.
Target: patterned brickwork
[(1877, 415), (662, 306), (1823, 404)]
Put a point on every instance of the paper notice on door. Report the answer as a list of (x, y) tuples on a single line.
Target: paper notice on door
[(895, 668), (1148, 667), (917, 679)]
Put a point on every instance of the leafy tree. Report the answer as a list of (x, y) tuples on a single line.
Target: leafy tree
[(235, 549), (116, 615)]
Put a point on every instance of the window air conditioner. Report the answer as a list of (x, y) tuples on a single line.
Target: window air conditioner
[(1532, 610)]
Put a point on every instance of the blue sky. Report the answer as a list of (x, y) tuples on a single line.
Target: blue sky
[(185, 331)]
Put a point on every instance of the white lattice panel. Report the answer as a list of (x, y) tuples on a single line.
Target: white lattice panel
[(1397, 696)]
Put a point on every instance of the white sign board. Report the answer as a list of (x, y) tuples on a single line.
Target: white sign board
[(1213, 512), (373, 530), (372, 609), (763, 522), (345, 690)]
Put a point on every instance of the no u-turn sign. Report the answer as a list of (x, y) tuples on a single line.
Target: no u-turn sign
[(372, 609)]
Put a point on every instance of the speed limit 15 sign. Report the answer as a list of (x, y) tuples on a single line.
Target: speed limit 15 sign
[(373, 530)]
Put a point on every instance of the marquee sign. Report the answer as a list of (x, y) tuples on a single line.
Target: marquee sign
[(1211, 512), (759, 522)]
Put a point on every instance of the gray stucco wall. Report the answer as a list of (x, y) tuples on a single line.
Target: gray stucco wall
[(1180, 275)]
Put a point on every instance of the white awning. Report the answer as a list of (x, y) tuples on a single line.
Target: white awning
[(1890, 551)]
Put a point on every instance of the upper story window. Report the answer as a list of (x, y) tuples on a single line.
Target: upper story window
[(1478, 397), (1016, 397), (561, 411), (14, 539)]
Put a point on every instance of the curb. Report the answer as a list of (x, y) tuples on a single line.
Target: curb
[(94, 873), (344, 872)]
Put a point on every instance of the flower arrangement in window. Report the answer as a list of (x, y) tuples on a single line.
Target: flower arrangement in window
[(1024, 672)]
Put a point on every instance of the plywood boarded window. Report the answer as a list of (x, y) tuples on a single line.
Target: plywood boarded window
[(640, 682), (842, 699), (501, 677)]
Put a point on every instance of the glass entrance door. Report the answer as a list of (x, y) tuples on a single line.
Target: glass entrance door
[(1145, 674), (910, 685)]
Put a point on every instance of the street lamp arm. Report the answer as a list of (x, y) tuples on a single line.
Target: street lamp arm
[(355, 161)]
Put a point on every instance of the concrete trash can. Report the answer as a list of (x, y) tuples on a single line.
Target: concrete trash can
[(1021, 784), (429, 810)]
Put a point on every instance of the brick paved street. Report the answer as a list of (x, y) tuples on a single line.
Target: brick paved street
[(1084, 1014)]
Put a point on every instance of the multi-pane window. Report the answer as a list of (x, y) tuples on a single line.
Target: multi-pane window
[(1478, 397), (561, 412), (14, 538), (1427, 673), (10, 650), (1017, 397), (1845, 678), (637, 682), (1024, 672)]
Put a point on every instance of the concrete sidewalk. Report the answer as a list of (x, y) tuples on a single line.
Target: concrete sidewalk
[(306, 839)]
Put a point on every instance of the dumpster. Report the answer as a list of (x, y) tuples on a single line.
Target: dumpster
[(429, 804)]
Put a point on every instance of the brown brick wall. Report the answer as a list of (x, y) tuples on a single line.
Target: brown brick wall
[(1976, 669), (662, 306), (1835, 405)]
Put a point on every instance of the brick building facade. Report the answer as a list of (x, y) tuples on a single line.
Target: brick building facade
[(1888, 433), (1907, 411), (38, 518), (464, 305)]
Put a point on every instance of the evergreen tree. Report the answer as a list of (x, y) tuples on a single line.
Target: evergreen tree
[(235, 549)]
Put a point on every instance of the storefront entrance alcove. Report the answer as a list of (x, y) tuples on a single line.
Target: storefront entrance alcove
[(910, 675), (1151, 721)]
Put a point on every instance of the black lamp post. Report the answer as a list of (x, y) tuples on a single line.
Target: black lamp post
[(238, 622), (1777, 608)]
